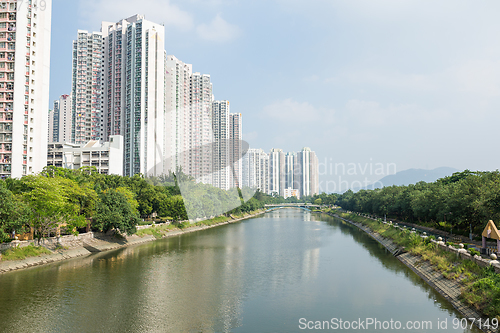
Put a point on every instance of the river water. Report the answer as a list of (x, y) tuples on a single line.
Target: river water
[(280, 272)]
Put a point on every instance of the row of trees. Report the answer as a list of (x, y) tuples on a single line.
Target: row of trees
[(458, 202), (72, 199)]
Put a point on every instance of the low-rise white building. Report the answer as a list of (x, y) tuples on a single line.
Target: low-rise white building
[(290, 192), (106, 157)]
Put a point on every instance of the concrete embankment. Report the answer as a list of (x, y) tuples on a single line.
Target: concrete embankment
[(449, 289), (96, 243)]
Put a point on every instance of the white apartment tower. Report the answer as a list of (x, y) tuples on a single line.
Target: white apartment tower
[(177, 114), (255, 170), (201, 132), (60, 120), (308, 172), (25, 28), (235, 149), (276, 172), (263, 182), (134, 100), (86, 88), (221, 160), (188, 121), (290, 169)]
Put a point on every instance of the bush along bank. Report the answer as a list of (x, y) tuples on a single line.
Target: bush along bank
[(163, 230), (478, 277)]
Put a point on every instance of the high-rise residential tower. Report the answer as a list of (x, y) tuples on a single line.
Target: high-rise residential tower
[(177, 114), (24, 86), (290, 162), (86, 88), (60, 120), (201, 129), (308, 172), (188, 119), (255, 170), (235, 149), (277, 172), (134, 100), (221, 160)]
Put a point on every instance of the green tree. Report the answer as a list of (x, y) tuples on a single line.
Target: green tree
[(13, 214), (50, 204), (114, 210)]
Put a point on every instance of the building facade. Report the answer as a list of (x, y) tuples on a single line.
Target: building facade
[(290, 167), (60, 120), (25, 38), (86, 90), (235, 149), (177, 114), (201, 133), (134, 100), (107, 158), (221, 159), (307, 172), (277, 172), (255, 170)]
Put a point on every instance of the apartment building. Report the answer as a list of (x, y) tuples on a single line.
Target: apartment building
[(235, 149), (25, 40), (307, 172), (255, 170), (86, 88), (134, 100), (221, 159), (277, 172), (177, 114), (60, 120)]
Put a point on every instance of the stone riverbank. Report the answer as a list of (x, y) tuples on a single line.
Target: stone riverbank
[(449, 289), (94, 243)]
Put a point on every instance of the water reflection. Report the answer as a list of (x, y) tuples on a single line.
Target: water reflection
[(259, 275)]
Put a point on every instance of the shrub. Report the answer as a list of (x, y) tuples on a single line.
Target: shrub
[(473, 251)]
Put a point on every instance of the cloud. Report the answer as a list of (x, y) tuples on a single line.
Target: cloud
[(218, 30), (250, 136), (92, 12), (290, 111), (481, 77)]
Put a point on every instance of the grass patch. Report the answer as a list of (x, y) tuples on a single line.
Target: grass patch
[(20, 253), (160, 231), (156, 231)]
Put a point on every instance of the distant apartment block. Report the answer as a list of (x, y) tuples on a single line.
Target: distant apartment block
[(221, 150), (201, 131), (60, 120), (277, 172), (86, 89), (290, 192), (290, 169), (235, 149), (255, 170), (286, 174), (307, 172), (107, 158), (24, 86), (177, 114)]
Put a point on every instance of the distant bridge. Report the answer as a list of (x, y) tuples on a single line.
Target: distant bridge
[(304, 206)]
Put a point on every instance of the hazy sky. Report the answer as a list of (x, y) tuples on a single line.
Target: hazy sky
[(414, 83)]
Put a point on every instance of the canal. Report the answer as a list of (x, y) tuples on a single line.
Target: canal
[(280, 272)]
